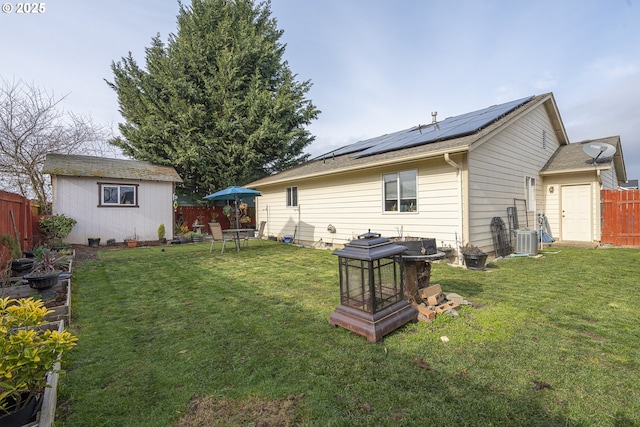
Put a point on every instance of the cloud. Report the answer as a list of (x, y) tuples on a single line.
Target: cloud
[(611, 68), (545, 82)]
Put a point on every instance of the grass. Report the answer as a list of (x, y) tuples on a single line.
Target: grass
[(161, 333)]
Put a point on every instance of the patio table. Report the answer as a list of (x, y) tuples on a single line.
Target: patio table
[(235, 232)]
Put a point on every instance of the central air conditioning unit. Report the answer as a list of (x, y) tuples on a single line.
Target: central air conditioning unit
[(526, 241)]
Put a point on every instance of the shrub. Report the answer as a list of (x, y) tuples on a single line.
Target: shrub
[(12, 245), (28, 350), (57, 226)]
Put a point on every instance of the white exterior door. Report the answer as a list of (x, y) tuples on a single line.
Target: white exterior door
[(576, 213)]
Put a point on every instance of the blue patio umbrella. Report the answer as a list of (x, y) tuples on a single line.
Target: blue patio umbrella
[(233, 193)]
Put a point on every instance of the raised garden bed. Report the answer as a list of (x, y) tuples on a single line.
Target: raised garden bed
[(59, 303), (49, 398)]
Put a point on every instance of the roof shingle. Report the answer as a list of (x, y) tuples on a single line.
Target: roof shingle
[(102, 167)]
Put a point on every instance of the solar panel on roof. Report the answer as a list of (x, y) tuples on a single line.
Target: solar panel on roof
[(451, 127)]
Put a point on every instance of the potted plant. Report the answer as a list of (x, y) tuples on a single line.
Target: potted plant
[(94, 242), (11, 249), (46, 270), (132, 241), (31, 351), (161, 234), (196, 237), (183, 231), (474, 257)]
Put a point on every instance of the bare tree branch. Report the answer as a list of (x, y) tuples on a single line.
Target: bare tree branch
[(33, 124)]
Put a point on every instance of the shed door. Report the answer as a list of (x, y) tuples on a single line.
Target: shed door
[(576, 213)]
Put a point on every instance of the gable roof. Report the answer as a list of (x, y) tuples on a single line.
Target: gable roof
[(572, 158), (452, 135), (102, 167), (449, 128)]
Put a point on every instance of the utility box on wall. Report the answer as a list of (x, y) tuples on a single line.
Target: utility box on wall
[(526, 241)]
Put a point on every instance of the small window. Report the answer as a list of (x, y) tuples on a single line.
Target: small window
[(292, 197), (530, 194), (118, 195), (400, 191)]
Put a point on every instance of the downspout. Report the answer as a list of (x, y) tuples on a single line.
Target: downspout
[(458, 168)]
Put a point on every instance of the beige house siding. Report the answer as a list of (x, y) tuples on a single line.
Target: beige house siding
[(466, 182), (352, 203), (78, 198), (498, 168)]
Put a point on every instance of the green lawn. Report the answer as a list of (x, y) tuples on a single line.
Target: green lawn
[(243, 338)]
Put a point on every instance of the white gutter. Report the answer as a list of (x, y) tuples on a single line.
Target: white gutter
[(460, 210)]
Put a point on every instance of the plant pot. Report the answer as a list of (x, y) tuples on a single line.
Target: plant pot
[(20, 265), (448, 253), (197, 239), (475, 261), (42, 281), (163, 240), (22, 416), (94, 243), (132, 243)]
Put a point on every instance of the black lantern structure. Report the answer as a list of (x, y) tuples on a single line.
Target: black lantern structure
[(371, 293)]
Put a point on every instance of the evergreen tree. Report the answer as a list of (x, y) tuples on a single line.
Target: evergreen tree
[(217, 102)]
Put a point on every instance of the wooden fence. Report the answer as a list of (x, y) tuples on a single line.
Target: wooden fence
[(16, 218), (204, 214), (621, 217)]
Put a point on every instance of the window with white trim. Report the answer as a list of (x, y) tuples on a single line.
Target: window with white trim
[(400, 191), (292, 197), (118, 194), (530, 193)]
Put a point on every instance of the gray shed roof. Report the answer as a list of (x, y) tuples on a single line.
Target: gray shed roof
[(102, 167), (348, 158), (572, 158)]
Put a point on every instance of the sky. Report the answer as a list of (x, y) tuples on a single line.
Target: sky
[(377, 66)]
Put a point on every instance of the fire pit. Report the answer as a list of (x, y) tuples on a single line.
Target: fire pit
[(372, 301)]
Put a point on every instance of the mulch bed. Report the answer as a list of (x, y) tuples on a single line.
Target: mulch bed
[(84, 253)]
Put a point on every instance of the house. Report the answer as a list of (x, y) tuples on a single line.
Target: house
[(572, 181), (112, 198), (446, 180)]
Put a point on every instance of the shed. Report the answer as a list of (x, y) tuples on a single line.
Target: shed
[(112, 198)]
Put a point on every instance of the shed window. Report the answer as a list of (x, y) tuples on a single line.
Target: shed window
[(118, 195), (400, 191), (292, 197)]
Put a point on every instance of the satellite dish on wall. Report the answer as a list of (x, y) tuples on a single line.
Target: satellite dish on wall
[(599, 151)]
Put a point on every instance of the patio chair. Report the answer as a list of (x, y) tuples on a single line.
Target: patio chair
[(253, 236), (216, 235)]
